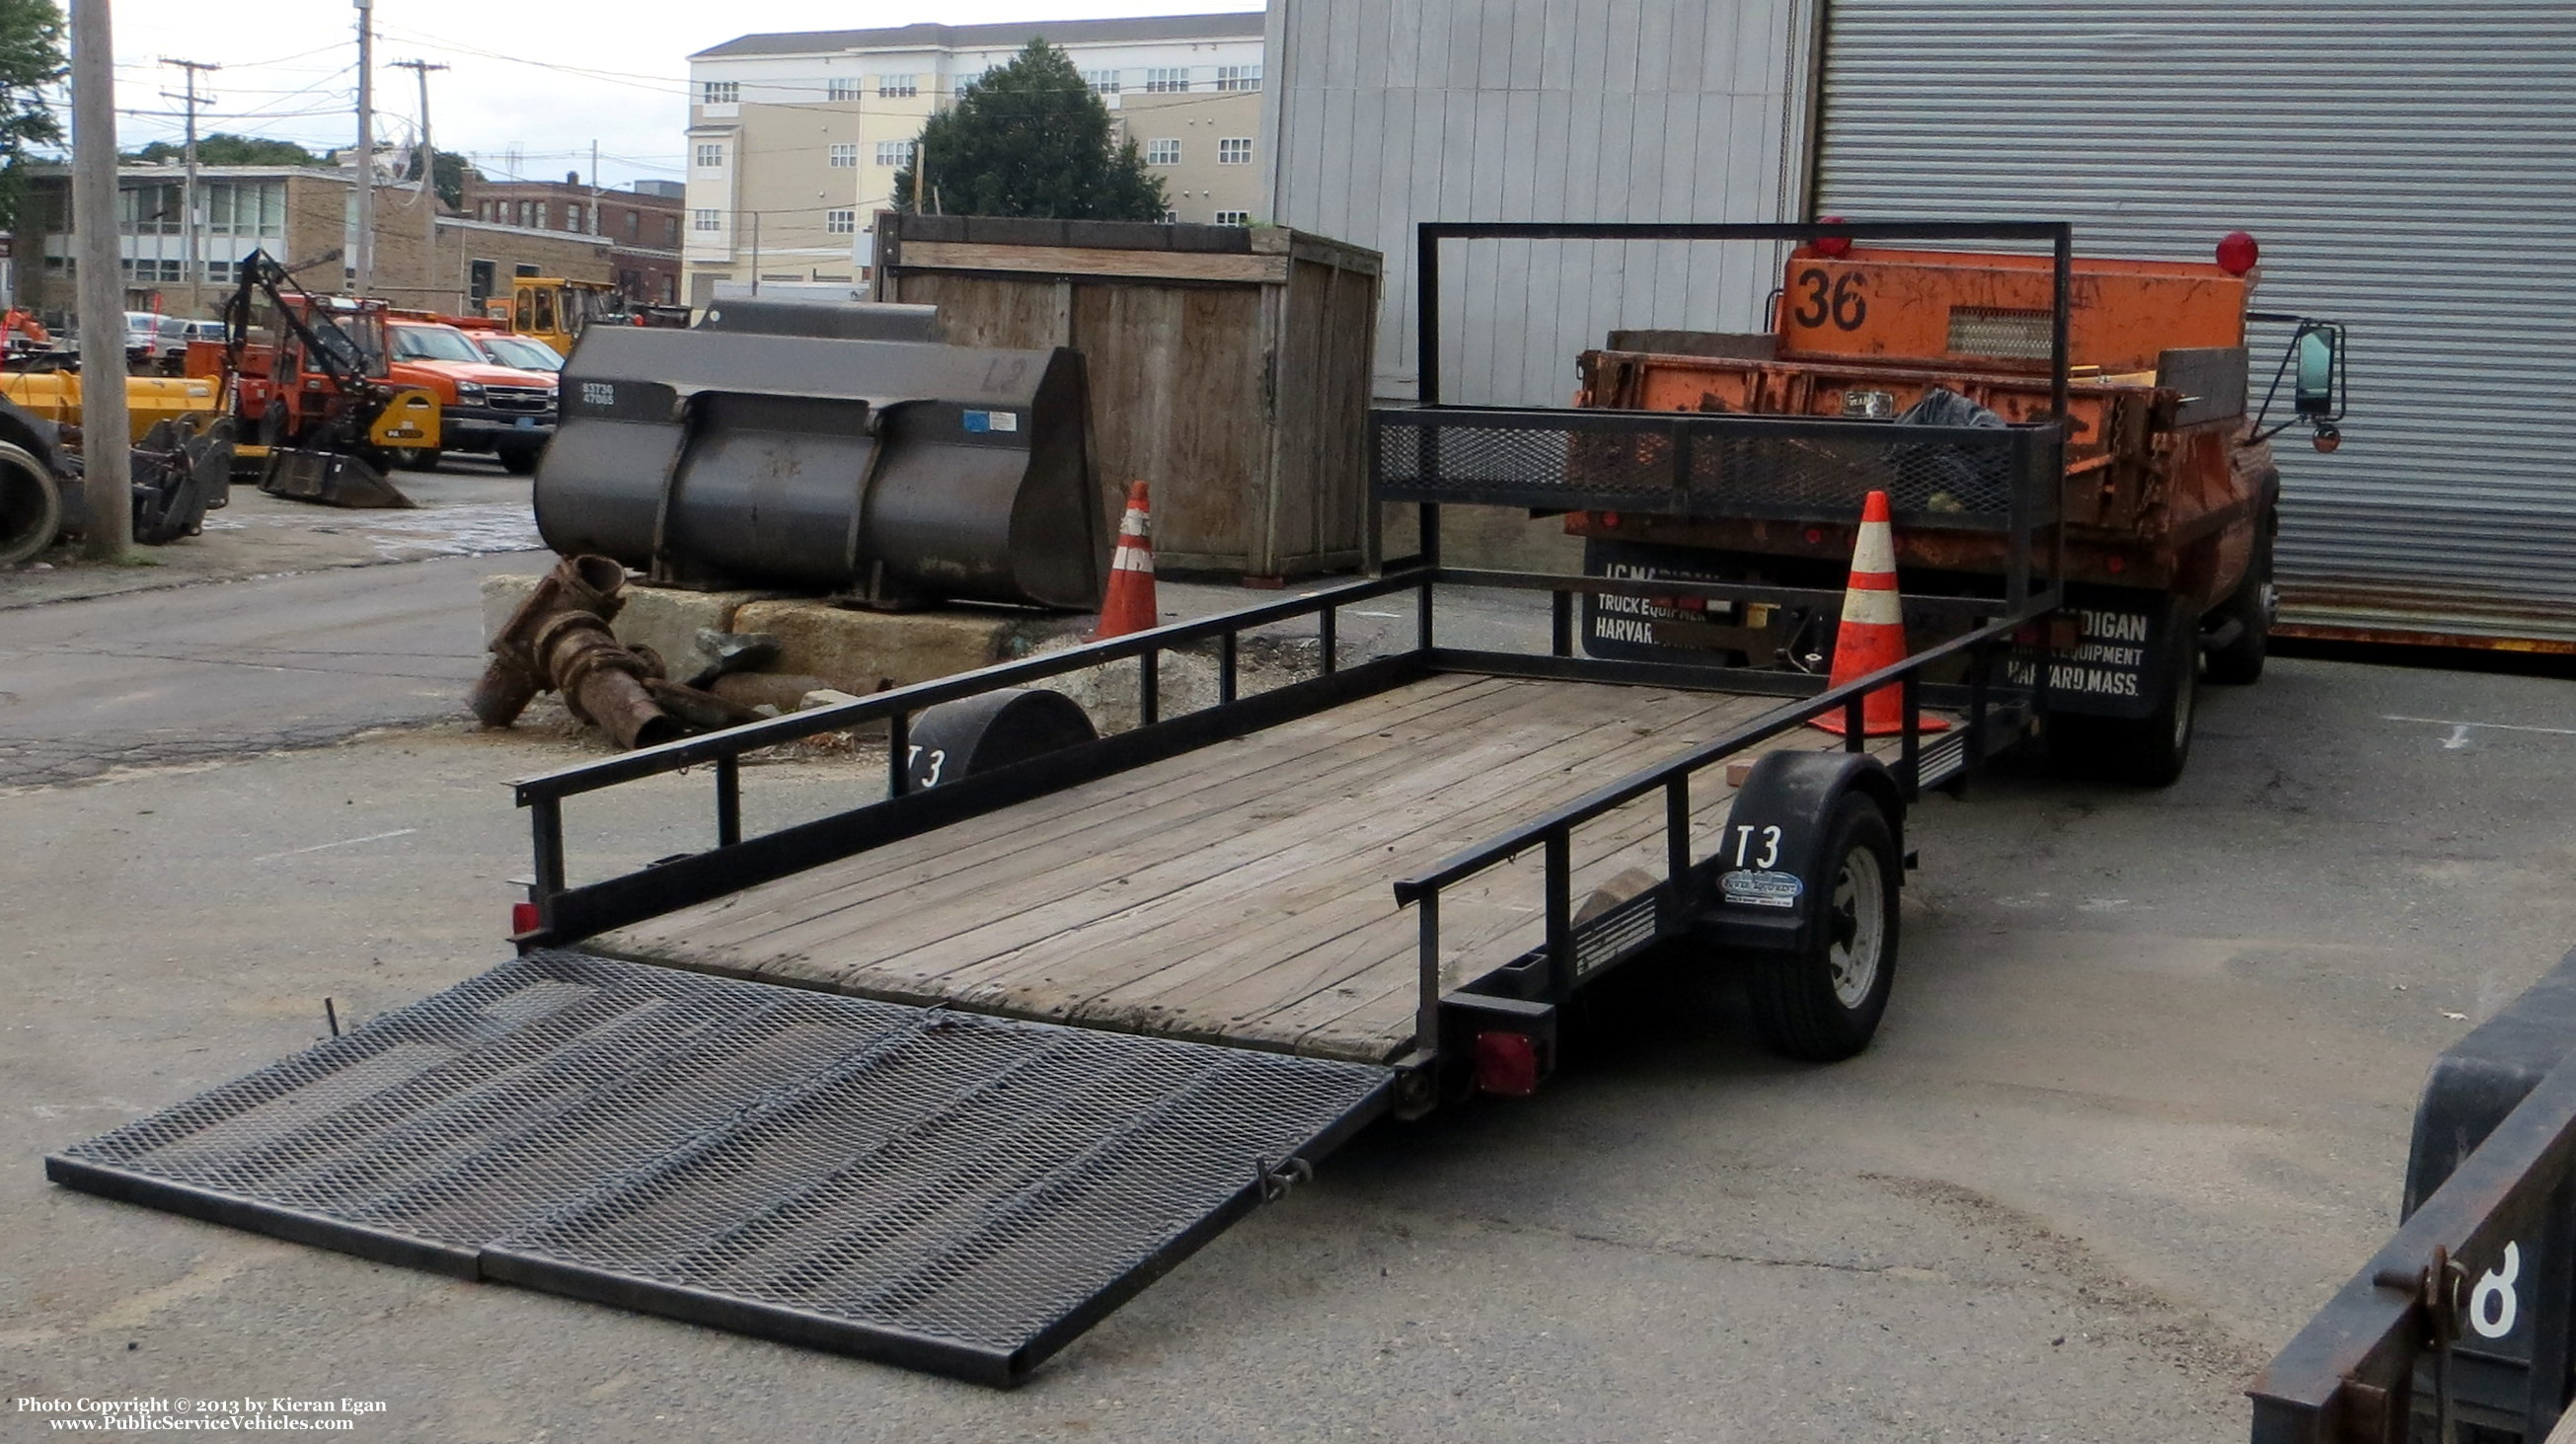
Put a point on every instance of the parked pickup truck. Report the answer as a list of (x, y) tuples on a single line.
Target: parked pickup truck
[(482, 407)]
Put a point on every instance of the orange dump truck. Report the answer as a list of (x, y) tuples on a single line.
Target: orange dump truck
[(2169, 504)]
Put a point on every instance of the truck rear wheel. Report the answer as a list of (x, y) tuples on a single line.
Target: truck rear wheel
[(1822, 1003), (2246, 620), (2147, 751)]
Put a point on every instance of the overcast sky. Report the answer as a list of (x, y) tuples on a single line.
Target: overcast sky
[(543, 78)]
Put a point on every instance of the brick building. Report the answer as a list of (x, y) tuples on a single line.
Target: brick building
[(306, 218), (641, 228)]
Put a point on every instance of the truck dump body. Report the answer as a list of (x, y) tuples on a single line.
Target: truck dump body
[(1237, 894)]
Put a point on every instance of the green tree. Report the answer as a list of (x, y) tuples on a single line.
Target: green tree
[(31, 61), (225, 148), (447, 171), (1031, 139)]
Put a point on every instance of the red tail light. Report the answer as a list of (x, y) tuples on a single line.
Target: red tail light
[(2237, 253), (1833, 247), (523, 918), (1506, 1064)]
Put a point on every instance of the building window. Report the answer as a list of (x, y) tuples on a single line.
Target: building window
[(634, 223), (573, 216), (1234, 218), (840, 223), (894, 152), (1238, 77), (1234, 152), (1162, 152), (1171, 218), (845, 157), (709, 221), (720, 92), (898, 87), (1160, 81), (1104, 82), (710, 157), (841, 87), (539, 211), (671, 230)]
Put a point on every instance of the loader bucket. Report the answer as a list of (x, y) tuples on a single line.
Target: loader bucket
[(895, 471), (333, 478)]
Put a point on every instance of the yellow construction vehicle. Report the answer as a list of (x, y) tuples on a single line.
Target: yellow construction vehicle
[(554, 310), (55, 395)]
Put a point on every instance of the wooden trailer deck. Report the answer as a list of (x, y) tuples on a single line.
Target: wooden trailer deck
[(1239, 893)]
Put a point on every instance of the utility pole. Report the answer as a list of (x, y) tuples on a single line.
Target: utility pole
[(106, 465), (428, 152), (596, 228), (188, 190), (363, 253)]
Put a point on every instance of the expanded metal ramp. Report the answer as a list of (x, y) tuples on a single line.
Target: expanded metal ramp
[(942, 1190)]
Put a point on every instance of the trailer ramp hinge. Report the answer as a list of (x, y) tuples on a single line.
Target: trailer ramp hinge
[(2438, 1288), (1275, 1182)]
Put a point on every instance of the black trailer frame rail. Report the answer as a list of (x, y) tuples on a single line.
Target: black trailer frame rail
[(2349, 1376)]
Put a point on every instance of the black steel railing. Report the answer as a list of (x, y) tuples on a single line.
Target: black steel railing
[(1552, 833), (567, 912)]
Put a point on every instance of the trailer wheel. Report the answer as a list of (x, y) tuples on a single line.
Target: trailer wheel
[(1822, 1003), (2239, 661)]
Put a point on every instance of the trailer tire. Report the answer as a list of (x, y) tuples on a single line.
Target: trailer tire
[(1823, 1002), (2240, 661)]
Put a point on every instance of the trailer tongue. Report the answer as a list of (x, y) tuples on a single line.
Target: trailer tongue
[(937, 1189)]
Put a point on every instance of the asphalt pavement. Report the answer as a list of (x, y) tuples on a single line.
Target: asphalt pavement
[(2140, 1106)]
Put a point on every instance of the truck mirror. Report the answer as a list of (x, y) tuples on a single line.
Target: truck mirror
[(2319, 369)]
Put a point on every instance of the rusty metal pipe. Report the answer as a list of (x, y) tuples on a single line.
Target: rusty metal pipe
[(559, 636)]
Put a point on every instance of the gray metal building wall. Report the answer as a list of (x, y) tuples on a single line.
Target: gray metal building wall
[(1390, 112), (2409, 168)]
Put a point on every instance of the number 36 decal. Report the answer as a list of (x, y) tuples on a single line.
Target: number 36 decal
[(1822, 297)]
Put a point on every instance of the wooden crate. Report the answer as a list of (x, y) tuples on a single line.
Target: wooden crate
[(1229, 367)]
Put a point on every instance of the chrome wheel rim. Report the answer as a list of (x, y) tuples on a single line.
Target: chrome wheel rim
[(1858, 926)]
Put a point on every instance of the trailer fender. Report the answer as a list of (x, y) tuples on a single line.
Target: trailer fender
[(1771, 851), (976, 735)]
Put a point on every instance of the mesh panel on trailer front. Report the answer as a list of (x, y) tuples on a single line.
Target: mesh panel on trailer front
[(949, 1190), (1730, 467)]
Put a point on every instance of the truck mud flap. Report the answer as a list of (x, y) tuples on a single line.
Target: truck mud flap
[(941, 1190), (2110, 660)]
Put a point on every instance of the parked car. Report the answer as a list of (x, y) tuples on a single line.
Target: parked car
[(525, 352), (140, 329), (170, 341), (505, 410)]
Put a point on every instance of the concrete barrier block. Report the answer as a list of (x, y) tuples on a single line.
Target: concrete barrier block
[(666, 619), (862, 652)]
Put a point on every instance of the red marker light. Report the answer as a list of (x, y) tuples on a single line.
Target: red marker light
[(2237, 253), (523, 918), (1833, 247)]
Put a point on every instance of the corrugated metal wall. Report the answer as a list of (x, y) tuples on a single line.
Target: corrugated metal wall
[(2410, 168), (1389, 112)]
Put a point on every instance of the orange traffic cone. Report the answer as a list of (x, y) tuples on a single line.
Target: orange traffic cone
[(1873, 630), (1129, 607)]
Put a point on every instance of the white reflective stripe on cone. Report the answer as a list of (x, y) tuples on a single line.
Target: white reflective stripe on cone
[(1873, 608), (1875, 549), (1132, 559), (1133, 524)]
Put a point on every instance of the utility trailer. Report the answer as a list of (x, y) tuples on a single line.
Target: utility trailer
[(944, 1078)]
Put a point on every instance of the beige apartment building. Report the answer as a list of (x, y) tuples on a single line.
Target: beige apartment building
[(795, 139)]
